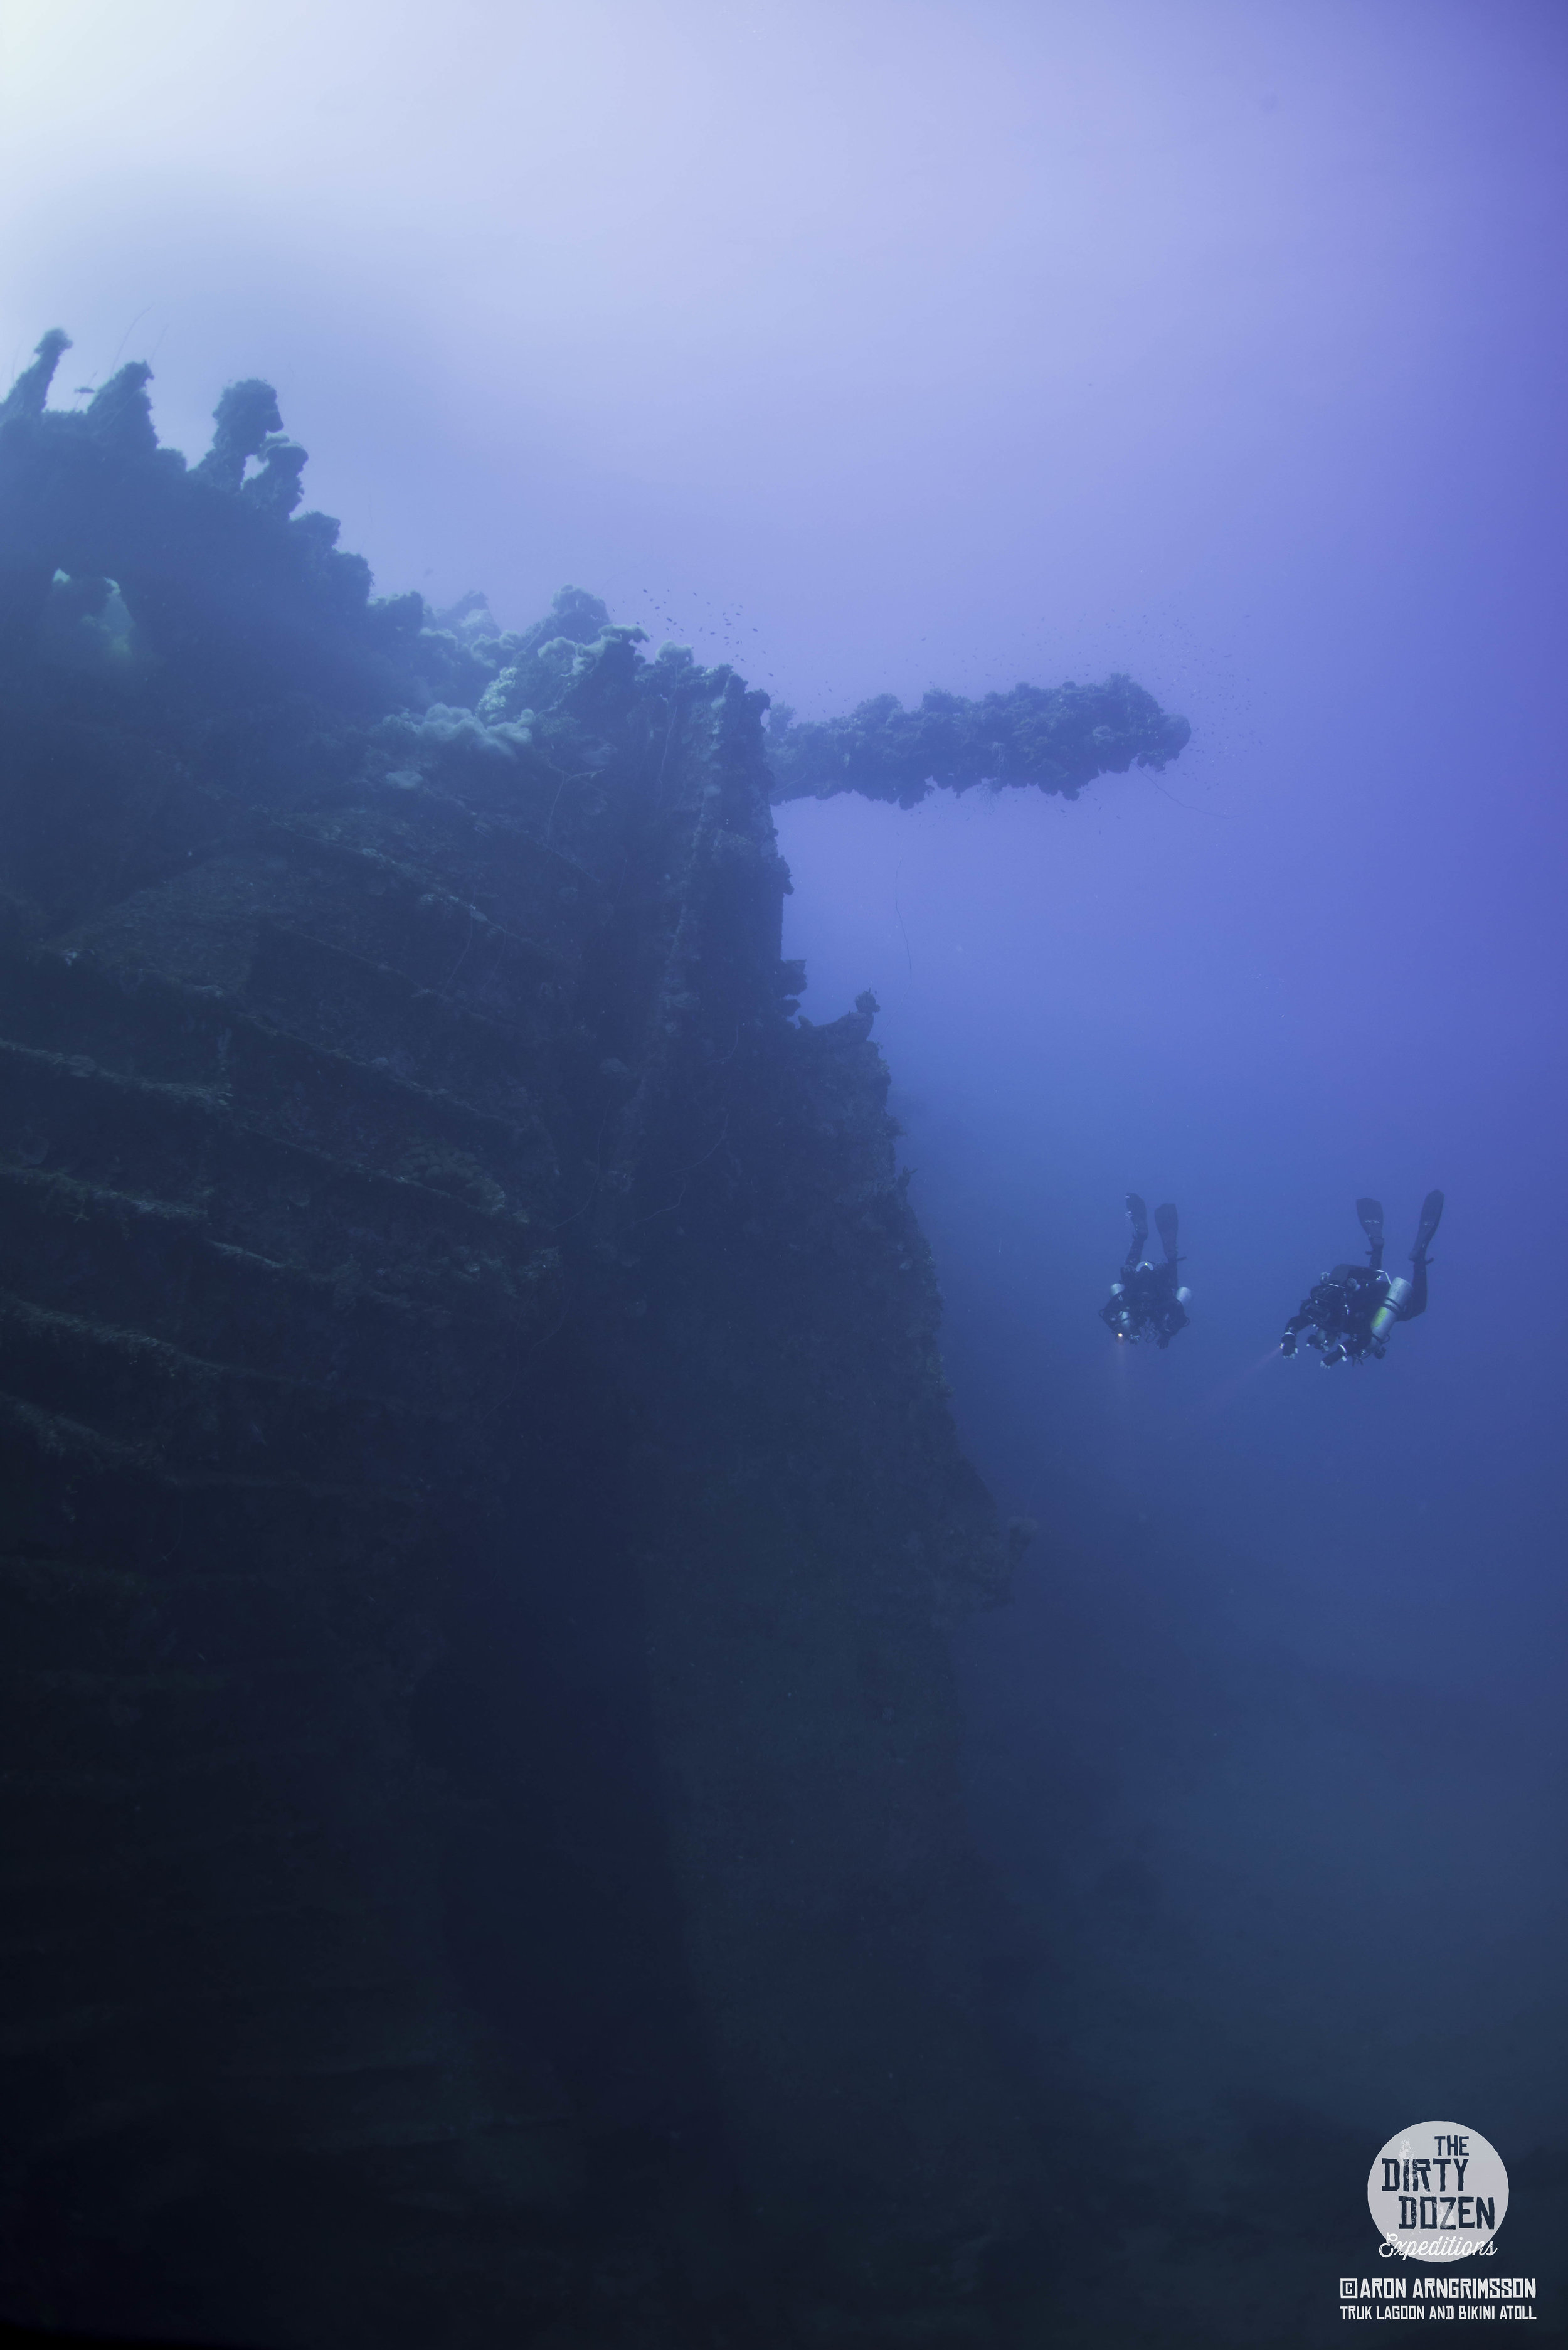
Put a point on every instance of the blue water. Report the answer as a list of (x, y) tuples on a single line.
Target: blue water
[(1271, 1749), (877, 345)]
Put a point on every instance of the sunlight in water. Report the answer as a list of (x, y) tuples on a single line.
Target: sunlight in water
[(1227, 1392)]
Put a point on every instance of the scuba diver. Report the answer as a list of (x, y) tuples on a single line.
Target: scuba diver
[(1146, 1303), (1352, 1311)]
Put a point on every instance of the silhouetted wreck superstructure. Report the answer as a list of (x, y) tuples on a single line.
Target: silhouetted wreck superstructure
[(480, 1836)]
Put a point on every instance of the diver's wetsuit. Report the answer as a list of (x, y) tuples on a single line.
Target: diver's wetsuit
[(1146, 1303), (1351, 1312)]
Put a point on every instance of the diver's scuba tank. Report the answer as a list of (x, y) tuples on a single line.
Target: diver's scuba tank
[(1387, 1313)]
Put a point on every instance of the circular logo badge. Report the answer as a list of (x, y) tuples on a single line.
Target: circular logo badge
[(1438, 2192)]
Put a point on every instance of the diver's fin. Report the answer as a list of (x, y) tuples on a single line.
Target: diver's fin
[(1139, 1215), (1371, 1214), (1165, 1218), (1431, 1217)]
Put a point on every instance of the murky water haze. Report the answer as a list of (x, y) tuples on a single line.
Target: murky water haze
[(876, 346), (1276, 1717)]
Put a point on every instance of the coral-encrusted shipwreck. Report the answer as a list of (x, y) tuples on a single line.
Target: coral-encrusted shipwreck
[(482, 1859)]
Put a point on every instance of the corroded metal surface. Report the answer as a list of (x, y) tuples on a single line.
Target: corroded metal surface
[(481, 1832)]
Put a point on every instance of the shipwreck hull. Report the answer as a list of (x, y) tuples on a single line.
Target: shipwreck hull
[(482, 1842)]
